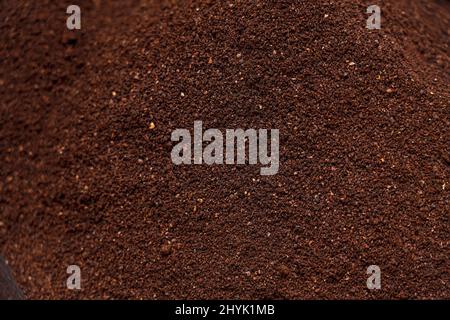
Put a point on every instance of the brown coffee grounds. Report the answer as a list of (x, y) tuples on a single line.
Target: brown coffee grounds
[(86, 176)]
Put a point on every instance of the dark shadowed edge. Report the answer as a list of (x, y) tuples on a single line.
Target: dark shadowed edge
[(8, 287)]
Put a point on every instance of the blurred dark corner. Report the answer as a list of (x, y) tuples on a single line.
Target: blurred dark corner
[(8, 287)]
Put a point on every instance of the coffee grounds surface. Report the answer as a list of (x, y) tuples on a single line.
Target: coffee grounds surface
[(86, 176)]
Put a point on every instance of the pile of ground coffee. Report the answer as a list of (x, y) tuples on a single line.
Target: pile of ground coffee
[(86, 177)]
